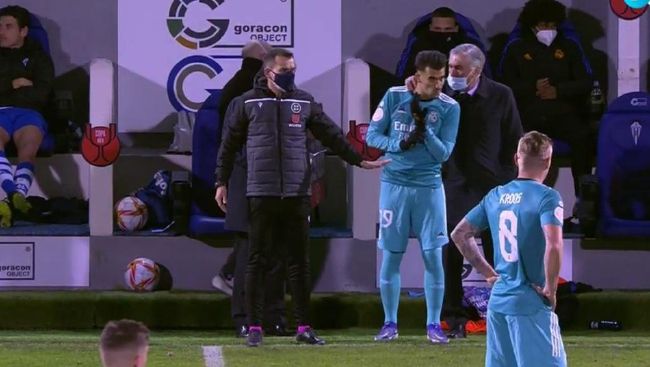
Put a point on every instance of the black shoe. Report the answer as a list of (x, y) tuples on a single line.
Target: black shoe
[(278, 330), (254, 338), (309, 337), (241, 331), (458, 331)]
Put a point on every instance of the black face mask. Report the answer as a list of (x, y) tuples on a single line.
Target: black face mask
[(285, 80), (445, 40)]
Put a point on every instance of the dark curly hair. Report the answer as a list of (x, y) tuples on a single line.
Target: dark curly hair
[(536, 11), (21, 14)]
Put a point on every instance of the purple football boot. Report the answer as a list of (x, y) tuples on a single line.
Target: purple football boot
[(387, 332), (436, 335)]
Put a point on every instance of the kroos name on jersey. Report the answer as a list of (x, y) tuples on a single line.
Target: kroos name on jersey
[(514, 198)]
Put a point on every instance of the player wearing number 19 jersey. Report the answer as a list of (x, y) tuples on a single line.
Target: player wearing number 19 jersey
[(525, 220), (418, 132)]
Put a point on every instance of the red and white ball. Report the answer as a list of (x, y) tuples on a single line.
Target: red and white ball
[(142, 275), (131, 214)]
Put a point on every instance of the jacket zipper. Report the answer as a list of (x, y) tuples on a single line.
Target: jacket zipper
[(279, 107)]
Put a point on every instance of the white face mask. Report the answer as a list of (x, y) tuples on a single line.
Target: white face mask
[(546, 36), (457, 83)]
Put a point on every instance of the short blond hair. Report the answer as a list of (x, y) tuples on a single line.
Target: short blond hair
[(535, 149), (123, 340)]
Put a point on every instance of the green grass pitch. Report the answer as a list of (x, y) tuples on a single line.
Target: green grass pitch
[(352, 347)]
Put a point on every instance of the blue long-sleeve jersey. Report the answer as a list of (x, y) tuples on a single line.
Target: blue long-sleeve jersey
[(392, 122)]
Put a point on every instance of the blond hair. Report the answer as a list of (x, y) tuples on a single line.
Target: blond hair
[(122, 340), (535, 149)]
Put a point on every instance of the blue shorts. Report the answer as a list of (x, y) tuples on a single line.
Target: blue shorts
[(524, 340), (404, 209), (14, 118)]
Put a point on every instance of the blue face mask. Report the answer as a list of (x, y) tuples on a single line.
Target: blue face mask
[(457, 83), (286, 81)]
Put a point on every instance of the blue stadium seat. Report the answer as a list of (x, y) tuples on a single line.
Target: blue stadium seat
[(560, 148), (465, 26), (623, 167), (205, 217), (38, 33)]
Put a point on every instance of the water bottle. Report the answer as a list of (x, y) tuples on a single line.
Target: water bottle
[(606, 325), (596, 103)]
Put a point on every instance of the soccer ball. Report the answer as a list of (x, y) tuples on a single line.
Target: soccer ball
[(142, 275), (131, 214)]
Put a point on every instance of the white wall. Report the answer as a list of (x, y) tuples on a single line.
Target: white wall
[(148, 54)]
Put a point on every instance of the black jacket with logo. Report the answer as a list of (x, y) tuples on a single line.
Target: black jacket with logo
[(528, 60), (30, 62), (488, 134), (274, 131)]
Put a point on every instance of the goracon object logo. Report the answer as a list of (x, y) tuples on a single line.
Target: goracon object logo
[(188, 37), (176, 92)]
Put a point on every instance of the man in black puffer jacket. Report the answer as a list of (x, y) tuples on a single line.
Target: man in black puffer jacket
[(273, 121)]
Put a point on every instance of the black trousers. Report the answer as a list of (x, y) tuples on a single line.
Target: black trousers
[(274, 310), (575, 131), (228, 268), (287, 219), (461, 198)]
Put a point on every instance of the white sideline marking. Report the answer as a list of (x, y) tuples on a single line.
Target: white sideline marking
[(213, 356)]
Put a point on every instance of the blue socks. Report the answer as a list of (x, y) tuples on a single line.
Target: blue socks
[(389, 284), (434, 283)]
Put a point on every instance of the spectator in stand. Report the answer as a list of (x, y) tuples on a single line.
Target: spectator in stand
[(550, 82)]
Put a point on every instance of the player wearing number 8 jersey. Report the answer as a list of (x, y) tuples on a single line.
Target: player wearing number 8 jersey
[(525, 219)]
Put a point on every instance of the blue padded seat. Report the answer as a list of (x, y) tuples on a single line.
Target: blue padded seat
[(205, 217), (623, 167)]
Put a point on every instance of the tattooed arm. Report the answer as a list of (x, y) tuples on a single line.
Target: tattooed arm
[(464, 237)]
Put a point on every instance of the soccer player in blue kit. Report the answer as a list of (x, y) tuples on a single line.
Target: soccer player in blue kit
[(418, 132), (525, 219)]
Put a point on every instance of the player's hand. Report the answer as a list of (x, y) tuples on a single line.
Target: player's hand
[(491, 280), (417, 113), (548, 93), (548, 294), (410, 83), (21, 82), (416, 136), (221, 197), (542, 83), (374, 164)]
